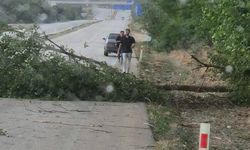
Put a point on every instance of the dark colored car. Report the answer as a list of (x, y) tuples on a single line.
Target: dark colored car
[(111, 44)]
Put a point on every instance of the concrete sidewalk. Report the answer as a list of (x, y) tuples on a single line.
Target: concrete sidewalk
[(73, 125)]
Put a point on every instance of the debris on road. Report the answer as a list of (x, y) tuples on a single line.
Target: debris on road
[(3, 132)]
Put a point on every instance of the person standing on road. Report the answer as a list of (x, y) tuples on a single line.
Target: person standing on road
[(118, 42), (126, 46)]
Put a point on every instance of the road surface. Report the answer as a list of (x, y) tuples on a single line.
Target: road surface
[(93, 35), (76, 125)]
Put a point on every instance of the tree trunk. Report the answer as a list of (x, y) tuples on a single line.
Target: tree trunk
[(194, 88)]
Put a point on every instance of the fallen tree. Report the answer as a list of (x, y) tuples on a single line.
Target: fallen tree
[(194, 88), (32, 68)]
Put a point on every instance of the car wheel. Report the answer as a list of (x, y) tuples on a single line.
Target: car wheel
[(106, 53)]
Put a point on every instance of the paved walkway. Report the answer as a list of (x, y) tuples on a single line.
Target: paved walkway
[(76, 125)]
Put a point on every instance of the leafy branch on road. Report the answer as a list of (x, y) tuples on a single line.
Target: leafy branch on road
[(31, 68)]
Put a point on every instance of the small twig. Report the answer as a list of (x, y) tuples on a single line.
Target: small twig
[(197, 68), (128, 127), (3, 132), (53, 111), (76, 110), (26, 108), (81, 110), (69, 124), (189, 125), (50, 111), (150, 125), (101, 131)]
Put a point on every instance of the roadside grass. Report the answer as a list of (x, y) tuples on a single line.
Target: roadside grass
[(166, 118), (162, 120), (168, 134), (175, 124)]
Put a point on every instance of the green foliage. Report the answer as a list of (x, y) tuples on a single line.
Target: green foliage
[(29, 70), (30, 11), (66, 12), (171, 23), (227, 23), (161, 117), (221, 24)]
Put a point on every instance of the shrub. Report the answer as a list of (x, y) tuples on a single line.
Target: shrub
[(227, 22)]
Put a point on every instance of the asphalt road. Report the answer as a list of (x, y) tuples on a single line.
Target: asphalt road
[(93, 35), (65, 125)]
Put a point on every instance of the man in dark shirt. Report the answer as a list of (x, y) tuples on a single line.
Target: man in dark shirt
[(126, 46), (119, 38), (118, 42)]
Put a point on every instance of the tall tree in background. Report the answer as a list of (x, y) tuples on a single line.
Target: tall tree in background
[(171, 22)]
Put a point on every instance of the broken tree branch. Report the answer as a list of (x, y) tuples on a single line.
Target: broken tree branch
[(63, 51), (205, 64), (194, 88), (191, 88)]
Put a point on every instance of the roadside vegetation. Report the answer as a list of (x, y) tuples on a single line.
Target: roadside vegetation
[(216, 33), (221, 25), (39, 11)]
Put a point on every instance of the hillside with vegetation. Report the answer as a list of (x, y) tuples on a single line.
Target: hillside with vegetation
[(221, 26), (38, 11)]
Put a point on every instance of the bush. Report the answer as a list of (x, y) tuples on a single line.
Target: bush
[(171, 22), (228, 26)]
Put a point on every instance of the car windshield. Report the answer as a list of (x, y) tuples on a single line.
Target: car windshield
[(113, 36)]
